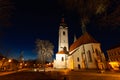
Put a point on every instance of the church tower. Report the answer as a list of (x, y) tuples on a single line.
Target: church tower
[(63, 36), (61, 56)]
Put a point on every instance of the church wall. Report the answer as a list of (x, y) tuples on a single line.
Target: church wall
[(90, 52), (63, 38), (77, 54), (87, 56), (70, 62), (60, 61), (84, 53)]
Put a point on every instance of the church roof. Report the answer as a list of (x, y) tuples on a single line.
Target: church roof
[(115, 46), (61, 52), (63, 23), (84, 39)]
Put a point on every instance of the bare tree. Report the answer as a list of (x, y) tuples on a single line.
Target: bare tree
[(45, 50)]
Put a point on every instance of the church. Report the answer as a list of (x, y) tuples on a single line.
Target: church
[(83, 53)]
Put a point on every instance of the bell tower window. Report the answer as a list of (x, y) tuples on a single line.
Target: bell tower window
[(63, 32)]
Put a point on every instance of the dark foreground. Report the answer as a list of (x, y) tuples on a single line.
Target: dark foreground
[(27, 76), (62, 75)]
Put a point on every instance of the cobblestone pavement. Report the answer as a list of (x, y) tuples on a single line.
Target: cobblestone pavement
[(93, 75), (26, 76), (61, 75)]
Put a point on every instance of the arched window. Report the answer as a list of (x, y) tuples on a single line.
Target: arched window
[(78, 59), (89, 56), (62, 58), (97, 52), (63, 32)]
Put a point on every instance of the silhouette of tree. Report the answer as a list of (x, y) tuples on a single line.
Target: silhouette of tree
[(45, 50)]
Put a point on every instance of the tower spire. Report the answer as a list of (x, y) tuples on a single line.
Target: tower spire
[(75, 38), (83, 27), (63, 36), (62, 20), (63, 24)]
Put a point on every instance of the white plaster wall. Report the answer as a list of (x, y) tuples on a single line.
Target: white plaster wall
[(59, 63), (70, 62), (63, 39), (88, 47), (75, 55), (84, 49)]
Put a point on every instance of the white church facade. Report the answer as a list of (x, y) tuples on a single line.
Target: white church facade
[(84, 53)]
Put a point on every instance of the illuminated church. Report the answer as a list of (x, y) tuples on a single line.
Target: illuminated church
[(84, 53)]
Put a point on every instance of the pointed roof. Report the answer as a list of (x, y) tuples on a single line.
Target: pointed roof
[(63, 22), (84, 39), (115, 46), (75, 38)]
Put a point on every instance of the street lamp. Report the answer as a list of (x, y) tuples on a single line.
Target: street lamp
[(9, 60)]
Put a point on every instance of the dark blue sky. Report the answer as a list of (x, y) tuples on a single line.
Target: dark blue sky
[(41, 19)]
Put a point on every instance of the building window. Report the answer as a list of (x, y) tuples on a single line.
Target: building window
[(78, 66), (63, 32), (78, 59), (89, 56), (97, 52), (62, 58), (119, 53)]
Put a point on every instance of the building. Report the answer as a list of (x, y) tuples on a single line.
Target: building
[(63, 46), (114, 57), (7, 64), (84, 53)]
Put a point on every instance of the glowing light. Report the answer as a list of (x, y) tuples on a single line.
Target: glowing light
[(9, 60), (3, 58), (25, 64), (114, 65), (21, 64)]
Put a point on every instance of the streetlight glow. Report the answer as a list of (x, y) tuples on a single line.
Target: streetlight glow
[(9, 60)]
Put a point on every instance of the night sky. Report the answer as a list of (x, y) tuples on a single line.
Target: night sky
[(33, 19)]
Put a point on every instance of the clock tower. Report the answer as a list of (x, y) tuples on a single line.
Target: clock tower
[(63, 36)]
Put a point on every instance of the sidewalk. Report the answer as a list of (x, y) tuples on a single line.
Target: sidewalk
[(10, 72), (6, 73)]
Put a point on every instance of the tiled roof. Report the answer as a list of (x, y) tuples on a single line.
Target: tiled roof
[(84, 39), (115, 46), (63, 23), (61, 52)]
